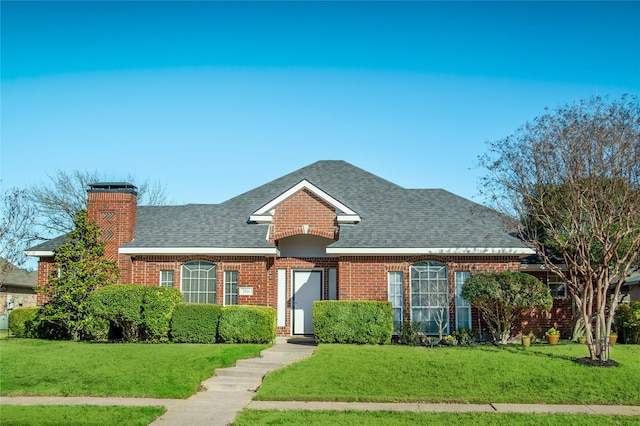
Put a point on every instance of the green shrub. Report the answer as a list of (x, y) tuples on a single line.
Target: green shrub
[(465, 336), (122, 305), (409, 334), (627, 322), (502, 297), (247, 324), (158, 304), (357, 321), (139, 312), (23, 321), (195, 323)]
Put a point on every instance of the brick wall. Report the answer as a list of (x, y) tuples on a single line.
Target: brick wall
[(252, 272), (115, 213), (303, 208), (45, 270)]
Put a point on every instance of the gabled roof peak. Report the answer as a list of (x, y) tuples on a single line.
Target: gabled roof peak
[(345, 214)]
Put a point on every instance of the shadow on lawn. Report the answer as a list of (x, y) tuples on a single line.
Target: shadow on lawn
[(530, 351)]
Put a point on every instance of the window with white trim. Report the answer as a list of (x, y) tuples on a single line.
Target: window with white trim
[(463, 307), (557, 287), (230, 287), (198, 282), (430, 296), (166, 278), (396, 297)]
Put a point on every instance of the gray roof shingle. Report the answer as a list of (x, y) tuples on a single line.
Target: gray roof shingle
[(391, 216)]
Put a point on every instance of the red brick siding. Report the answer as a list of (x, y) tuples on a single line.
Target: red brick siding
[(252, 272), (45, 269), (304, 208), (115, 213), (560, 316)]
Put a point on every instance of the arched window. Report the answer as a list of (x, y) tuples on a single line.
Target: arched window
[(198, 282), (430, 297)]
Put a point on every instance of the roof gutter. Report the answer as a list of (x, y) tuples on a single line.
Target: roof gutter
[(469, 251), (166, 251)]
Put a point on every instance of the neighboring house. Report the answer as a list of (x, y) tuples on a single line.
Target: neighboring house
[(327, 231), (17, 289), (631, 287)]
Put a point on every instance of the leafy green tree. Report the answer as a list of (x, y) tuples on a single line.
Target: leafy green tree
[(501, 297), (570, 180), (80, 268)]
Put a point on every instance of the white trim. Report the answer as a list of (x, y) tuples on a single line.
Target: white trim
[(282, 298), (293, 291), (39, 253), (375, 251), (199, 250), (264, 214)]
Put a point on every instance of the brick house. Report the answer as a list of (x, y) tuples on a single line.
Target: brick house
[(327, 231)]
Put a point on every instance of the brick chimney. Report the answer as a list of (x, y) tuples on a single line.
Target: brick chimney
[(112, 205)]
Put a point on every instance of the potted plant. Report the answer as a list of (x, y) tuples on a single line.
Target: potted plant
[(553, 336), (613, 338), (580, 339), (526, 340)]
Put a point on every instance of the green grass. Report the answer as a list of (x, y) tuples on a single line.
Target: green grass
[(366, 418), (479, 374), (43, 367), (4, 334), (41, 415)]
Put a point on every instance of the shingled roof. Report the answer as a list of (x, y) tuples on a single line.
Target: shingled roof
[(393, 219)]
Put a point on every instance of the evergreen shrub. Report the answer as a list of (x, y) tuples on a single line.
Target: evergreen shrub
[(23, 321), (139, 312), (627, 321), (352, 321), (247, 324), (195, 323)]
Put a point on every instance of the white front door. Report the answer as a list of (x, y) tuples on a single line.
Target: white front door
[(307, 288)]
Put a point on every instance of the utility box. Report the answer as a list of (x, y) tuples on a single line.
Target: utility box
[(4, 322)]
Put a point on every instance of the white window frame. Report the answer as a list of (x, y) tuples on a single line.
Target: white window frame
[(206, 274), (426, 303), (554, 282), (395, 281), (230, 278), (165, 280), (462, 304)]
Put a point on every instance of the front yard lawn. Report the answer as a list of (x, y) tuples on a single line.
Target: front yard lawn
[(43, 367), (365, 418), (77, 415), (479, 374)]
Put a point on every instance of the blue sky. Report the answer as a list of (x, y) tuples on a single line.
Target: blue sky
[(213, 99)]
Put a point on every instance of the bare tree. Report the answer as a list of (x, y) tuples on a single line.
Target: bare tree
[(16, 230), (59, 199), (572, 179)]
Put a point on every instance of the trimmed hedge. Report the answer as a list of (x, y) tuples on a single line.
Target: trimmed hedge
[(195, 323), (140, 312), (23, 322), (247, 324), (352, 321)]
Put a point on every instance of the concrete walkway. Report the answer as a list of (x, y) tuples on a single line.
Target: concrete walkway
[(231, 390)]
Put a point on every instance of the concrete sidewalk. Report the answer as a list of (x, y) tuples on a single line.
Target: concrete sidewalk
[(231, 390)]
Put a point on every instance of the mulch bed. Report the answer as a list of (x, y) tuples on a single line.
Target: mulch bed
[(596, 363)]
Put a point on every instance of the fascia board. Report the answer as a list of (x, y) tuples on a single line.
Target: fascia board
[(304, 184), (39, 253), (380, 251), (199, 250)]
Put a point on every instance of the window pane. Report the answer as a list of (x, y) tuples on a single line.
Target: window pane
[(430, 296), (463, 307), (396, 297), (199, 282)]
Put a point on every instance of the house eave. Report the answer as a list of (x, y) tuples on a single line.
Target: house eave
[(39, 253), (167, 251), (469, 251)]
